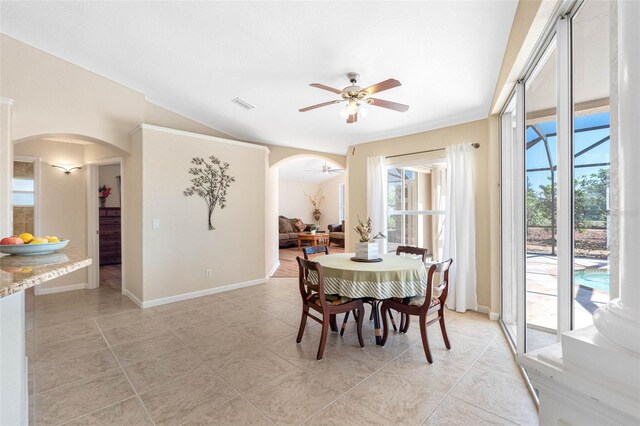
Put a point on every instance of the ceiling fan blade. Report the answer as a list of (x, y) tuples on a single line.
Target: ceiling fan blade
[(324, 87), (388, 104), (318, 105), (352, 118), (383, 85)]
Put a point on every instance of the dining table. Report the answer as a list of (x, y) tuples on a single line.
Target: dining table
[(393, 276)]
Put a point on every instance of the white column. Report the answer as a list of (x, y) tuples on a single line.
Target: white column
[(6, 167), (619, 320)]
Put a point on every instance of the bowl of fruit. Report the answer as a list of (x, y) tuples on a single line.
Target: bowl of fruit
[(28, 245)]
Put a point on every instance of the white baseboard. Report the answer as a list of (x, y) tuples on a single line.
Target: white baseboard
[(493, 316), (133, 297), (273, 270), (194, 294), (39, 290)]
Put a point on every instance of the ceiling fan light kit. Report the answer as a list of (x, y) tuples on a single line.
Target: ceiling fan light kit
[(357, 98)]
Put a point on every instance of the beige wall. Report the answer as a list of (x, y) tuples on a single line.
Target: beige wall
[(294, 203), (330, 213), (159, 116), (53, 96), (176, 255), (107, 175), (476, 131), (63, 198), (132, 229), (272, 192)]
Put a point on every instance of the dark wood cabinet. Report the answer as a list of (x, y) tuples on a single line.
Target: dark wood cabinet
[(110, 235)]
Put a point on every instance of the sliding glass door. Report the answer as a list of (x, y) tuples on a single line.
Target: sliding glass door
[(556, 174)]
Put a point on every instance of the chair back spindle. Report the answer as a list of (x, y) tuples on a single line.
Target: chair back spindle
[(307, 288), (307, 251), (416, 251)]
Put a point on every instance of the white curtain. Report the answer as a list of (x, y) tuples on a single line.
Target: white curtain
[(438, 202), (377, 198), (460, 228)]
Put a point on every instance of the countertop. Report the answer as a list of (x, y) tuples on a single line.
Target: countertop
[(18, 273)]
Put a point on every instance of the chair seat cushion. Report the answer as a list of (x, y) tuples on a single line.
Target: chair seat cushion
[(416, 301), (332, 299)]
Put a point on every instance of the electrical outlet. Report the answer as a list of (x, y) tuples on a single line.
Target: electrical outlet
[(207, 273)]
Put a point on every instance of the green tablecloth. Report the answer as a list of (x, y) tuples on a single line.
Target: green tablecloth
[(395, 276)]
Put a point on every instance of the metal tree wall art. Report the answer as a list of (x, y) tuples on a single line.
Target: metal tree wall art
[(211, 182)]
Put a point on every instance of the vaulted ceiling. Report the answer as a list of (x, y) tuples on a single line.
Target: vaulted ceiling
[(195, 57)]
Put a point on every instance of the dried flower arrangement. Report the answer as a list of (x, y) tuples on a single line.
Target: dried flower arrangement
[(364, 230), (210, 182), (316, 199)]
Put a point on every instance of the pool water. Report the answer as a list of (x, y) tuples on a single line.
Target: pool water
[(597, 279)]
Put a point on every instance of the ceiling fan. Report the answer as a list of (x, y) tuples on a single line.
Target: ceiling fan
[(356, 97), (326, 169)]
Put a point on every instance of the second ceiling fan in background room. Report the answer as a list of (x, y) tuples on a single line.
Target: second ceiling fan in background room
[(356, 97)]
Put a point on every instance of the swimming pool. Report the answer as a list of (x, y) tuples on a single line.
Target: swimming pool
[(597, 279)]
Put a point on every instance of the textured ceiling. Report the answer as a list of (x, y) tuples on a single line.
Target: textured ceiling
[(306, 170), (194, 57)]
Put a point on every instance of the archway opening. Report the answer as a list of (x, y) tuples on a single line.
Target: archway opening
[(310, 207)]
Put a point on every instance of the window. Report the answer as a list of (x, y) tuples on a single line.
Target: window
[(341, 198), (415, 207), (23, 192)]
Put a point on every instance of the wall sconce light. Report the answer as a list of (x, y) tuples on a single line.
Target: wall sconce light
[(66, 170)]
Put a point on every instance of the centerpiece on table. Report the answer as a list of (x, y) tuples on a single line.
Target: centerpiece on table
[(367, 248), (103, 192), (313, 228)]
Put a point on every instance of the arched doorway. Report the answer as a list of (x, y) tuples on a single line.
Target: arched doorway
[(310, 190), (65, 204)]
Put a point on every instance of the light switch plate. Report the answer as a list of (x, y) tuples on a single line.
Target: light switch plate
[(155, 223)]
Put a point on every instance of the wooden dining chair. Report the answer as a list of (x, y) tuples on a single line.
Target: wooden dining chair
[(422, 307), (314, 298), (309, 250), (415, 251)]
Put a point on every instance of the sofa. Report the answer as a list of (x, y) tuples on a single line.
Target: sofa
[(288, 230), (336, 234)]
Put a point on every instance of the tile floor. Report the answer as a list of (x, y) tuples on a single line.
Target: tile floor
[(231, 358), (111, 276)]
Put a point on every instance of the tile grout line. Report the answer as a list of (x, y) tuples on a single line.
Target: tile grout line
[(126, 376), (240, 394), (359, 383), (99, 350), (460, 379), (448, 393)]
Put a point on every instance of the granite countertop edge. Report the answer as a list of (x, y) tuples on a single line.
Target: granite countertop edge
[(55, 271)]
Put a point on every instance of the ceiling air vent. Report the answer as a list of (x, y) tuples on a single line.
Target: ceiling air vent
[(244, 104)]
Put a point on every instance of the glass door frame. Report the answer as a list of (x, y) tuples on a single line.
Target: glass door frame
[(513, 170)]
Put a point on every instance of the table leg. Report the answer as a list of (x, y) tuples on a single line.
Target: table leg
[(376, 321)]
